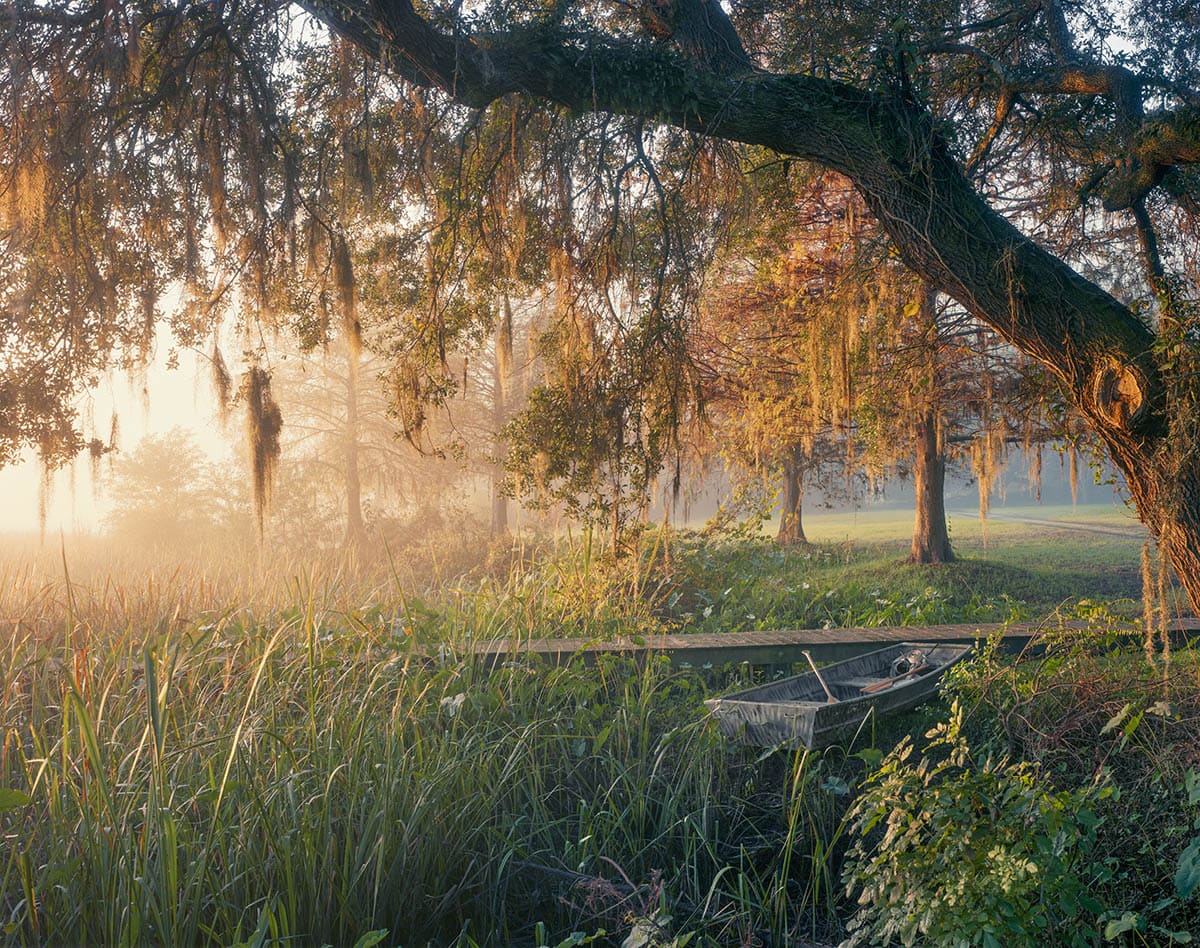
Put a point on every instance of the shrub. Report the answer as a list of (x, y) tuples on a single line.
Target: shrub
[(953, 851)]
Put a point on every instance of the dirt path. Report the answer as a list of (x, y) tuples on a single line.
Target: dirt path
[(1135, 531)]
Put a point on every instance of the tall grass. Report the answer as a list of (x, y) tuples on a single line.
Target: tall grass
[(202, 784), (289, 751)]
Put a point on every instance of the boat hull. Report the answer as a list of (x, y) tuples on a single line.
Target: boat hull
[(797, 710)]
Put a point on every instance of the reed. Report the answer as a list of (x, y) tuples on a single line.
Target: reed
[(318, 777), (295, 750)]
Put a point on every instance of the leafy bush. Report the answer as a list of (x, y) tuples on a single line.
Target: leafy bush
[(1086, 709), (954, 851)]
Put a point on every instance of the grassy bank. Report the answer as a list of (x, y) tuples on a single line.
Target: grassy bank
[(226, 783), (305, 757)]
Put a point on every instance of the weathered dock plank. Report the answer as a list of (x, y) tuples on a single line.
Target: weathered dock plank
[(787, 646)]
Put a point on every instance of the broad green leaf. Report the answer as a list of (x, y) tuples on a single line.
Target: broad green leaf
[(1118, 926), (1187, 872), (871, 756), (12, 799)]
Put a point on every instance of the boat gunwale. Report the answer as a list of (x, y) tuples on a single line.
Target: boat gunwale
[(733, 699)]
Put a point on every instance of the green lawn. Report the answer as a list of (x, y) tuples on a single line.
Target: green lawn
[(1024, 562)]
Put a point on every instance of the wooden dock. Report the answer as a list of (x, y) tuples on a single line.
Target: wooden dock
[(787, 647)]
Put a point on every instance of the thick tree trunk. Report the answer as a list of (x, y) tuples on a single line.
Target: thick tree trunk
[(1165, 488), (791, 523), (931, 539)]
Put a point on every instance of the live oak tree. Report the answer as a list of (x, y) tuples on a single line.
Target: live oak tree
[(777, 343), (994, 142), (823, 357)]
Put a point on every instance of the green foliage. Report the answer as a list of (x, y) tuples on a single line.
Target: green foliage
[(309, 763), (316, 777), (1090, 708), (241, 783), (950, 850)]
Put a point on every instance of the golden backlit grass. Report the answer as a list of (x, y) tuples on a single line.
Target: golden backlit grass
[(276, 749)]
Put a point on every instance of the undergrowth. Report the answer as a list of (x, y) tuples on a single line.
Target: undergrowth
[(199, 759), (1059, 804), (232, 783)]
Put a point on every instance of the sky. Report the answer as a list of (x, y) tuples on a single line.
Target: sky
[(179, 397)]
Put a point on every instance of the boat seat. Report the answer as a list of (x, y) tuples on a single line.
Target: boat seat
[(856, 682)]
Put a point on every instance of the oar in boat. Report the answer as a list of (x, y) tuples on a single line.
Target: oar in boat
[(816, 671), (885, 683)]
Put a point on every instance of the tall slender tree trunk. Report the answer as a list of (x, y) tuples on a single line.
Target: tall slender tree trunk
[(791, 523), (499, 521), (499, 525), (501, 380), (931, 539), (356, 533)]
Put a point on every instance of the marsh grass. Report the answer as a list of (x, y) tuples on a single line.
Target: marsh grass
[(298, 752), (214, 783)]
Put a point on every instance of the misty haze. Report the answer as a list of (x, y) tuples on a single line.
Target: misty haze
[(648, 474)]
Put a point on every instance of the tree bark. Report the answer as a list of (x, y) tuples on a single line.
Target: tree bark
[(501, 381), (931, 539), (499, 524), (791, 523)]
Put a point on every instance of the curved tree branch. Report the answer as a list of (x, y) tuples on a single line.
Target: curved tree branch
[(889, 148)]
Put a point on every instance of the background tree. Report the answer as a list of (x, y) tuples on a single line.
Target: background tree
[(341, 436), (955, 124), (165, 493), (503, 370), (827, 354), (777, 337)]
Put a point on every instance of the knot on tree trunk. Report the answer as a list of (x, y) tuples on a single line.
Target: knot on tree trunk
[(1120, 393)]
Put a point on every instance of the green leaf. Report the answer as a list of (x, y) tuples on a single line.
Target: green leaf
[(12, 799), (871, 756), (1132, 725), (1191, 783), (1115, 721), (371, 939), (1118, 926), (1187, 872), (580, 938)]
